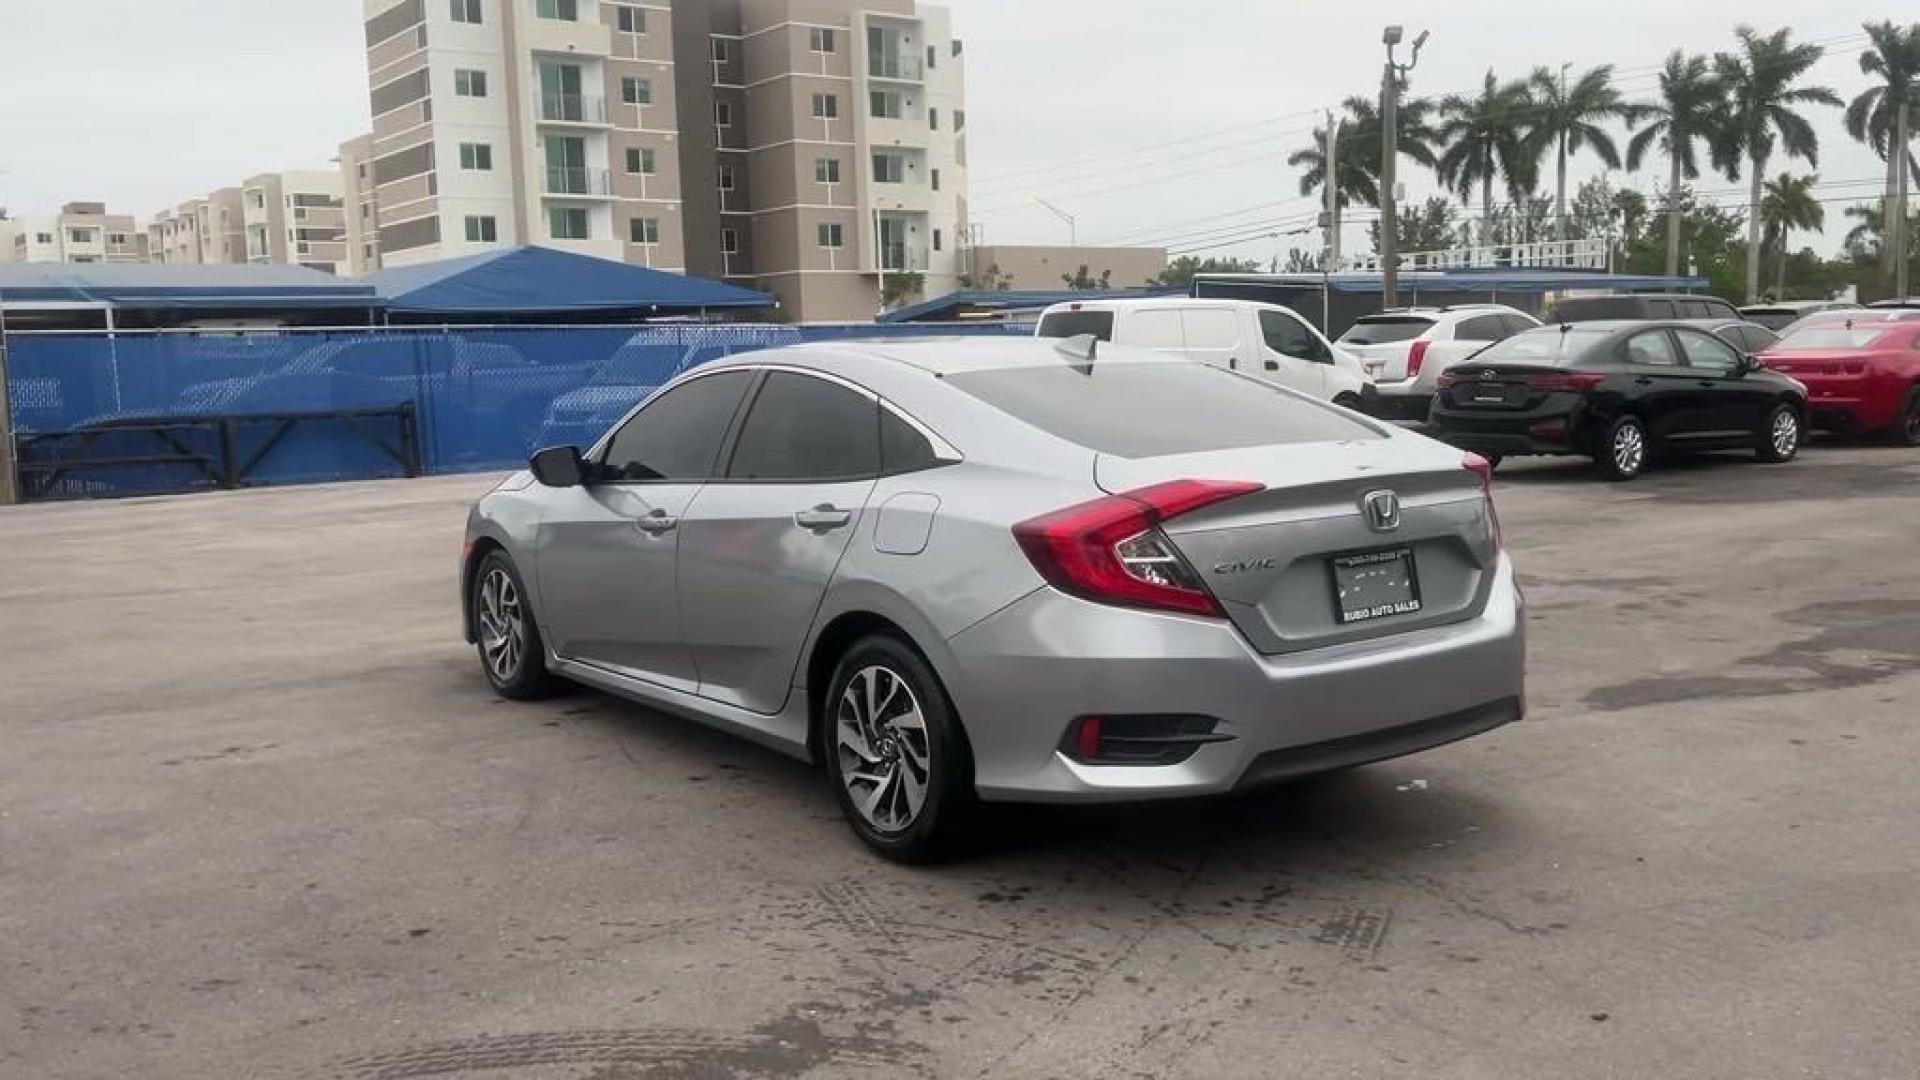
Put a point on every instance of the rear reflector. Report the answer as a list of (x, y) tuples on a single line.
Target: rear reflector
[(1111, 550)]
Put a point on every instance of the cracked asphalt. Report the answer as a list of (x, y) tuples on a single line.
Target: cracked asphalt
[(259, 817)]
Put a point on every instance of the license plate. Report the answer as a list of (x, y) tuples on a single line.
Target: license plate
[(1372, 585), (1497, 397)]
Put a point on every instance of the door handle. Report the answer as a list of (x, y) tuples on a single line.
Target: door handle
[(656, 523), (823, 518), (1708, 383), (1643, 381)]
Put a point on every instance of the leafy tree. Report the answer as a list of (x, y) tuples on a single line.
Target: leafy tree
[(1762, 83), (1428, 227), (1894, 59), (1788, 203), (1867, 248), (1182, 270), (1301, 262), (1483, 144), (1082, 281), (1567, 118), (1358, 150), (1691, 109), (993, 279), (897, 288)]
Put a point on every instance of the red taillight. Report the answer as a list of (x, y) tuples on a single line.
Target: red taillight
[(1576, 382), (1483, 469), (1111, 550), (1415, 357), (1447, 379)]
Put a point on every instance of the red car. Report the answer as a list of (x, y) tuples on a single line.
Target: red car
[(1861, 370)]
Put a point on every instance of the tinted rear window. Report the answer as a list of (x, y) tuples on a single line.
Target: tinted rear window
[(1772, 320), (1380, 330), (1591, 308), (1135, 410), (1833, 336), (1551, 346), (1066, 324)]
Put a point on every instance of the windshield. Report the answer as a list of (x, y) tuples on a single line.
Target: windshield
[(1385, 329), (1122, 408), (1833, 335), (1552, 346)]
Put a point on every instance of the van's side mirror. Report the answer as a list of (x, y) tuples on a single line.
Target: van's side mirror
[(558, 466)]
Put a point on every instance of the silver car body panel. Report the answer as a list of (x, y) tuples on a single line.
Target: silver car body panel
[(933, 552)]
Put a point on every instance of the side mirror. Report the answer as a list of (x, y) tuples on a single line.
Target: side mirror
[(1747, 364), (558, 466)]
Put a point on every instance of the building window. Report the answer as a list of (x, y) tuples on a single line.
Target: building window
[(935, 177), (720, 50), (729, 242), (829, 235), (644, 230), (636, 91), (959, 119), (889, 169), (826, 170), (936, 239), (564, 10), (640, 160), (116, 238), (826, 106), (885, 104), (631, 20), (43, 238), (466, 11), (932, 57), (567, 223), (726, 178), (933, 119), (820, 39), (477, 156), (469, 83), (482, 230), (723, 114), (80, 236)]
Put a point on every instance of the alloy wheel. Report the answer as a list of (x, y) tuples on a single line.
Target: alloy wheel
[(1786, 434), (503, 627), (886, 760), (1629, 450)]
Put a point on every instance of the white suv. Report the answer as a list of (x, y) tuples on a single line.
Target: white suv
[(1406, 349)]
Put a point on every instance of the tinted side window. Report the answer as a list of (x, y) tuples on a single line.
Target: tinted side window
[(1481, 328), (1706, 351), (1066, 324), (1286, 336), (678, 435), (1694, 309), (1660, 309), (1517, 324), (1760, 339), (1720, 309), (803, 428), (1651, 347), (902, 447)]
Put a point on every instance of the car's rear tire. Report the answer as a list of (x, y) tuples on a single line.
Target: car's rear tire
[(1623, 453), (1906, 429), (895, 754), (1778, 440), (512, 653)]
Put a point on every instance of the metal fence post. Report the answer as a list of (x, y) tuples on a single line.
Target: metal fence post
[(9, 474)]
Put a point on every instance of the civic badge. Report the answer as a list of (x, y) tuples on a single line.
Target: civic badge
[(1382, 509)]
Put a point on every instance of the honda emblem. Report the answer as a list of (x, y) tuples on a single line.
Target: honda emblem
[(1382, 509)]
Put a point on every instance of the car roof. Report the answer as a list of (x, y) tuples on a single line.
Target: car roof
[(939, 355), (1153, 302), (1798, 305)]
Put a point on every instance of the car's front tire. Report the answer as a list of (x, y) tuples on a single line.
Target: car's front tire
[(1779, 439), (512, 654), (895, 754), (1623, 453)]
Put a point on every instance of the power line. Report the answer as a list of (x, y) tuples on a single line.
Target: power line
[(997, 179)]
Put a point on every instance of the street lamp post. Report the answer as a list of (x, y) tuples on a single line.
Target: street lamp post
[(1393, 82)]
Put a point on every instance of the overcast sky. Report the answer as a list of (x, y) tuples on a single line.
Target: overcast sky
[(1149, 121)]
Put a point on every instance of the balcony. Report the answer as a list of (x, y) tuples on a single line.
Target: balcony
[(898, 66), (578, 182), (573, 109), (902, 259)]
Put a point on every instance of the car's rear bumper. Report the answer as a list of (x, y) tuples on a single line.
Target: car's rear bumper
[(1560, 432), (1405, 402), (1028, 672)]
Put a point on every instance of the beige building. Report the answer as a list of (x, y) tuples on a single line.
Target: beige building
[(209, 230), (1027, 267), (82, 232), (803, 147), (360, 205), (296, 217)]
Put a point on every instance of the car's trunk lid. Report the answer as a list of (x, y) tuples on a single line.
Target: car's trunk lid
[(1270, 557)]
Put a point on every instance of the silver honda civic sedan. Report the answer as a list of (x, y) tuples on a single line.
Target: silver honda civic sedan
[(966, 570)]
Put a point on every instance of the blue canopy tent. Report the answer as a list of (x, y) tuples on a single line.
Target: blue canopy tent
[(543, 285), (128, 295)]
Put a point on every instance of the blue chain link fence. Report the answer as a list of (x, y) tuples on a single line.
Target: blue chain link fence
[(134, 413)]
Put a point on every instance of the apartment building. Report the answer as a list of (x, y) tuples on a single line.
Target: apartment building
[(360, 205), (809, 148), (208, 230), (296, 217), (82, 232)]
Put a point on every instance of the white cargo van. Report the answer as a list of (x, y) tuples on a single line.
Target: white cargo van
[(1266, 341)]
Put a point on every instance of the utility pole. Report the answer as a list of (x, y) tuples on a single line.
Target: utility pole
[(1073, 224), (1331, 178), (1896, 230), (1393, 81)]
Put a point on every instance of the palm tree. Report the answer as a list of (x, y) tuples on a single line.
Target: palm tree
[(1568, 118), (1358, 149), (1482, 136), (1761, 89), (1873, 117), (1691, 109), (1788, 203)]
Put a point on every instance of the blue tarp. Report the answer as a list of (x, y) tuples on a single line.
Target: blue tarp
[(543, 281), (948, 306), (153, 286), (1469, 280)]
